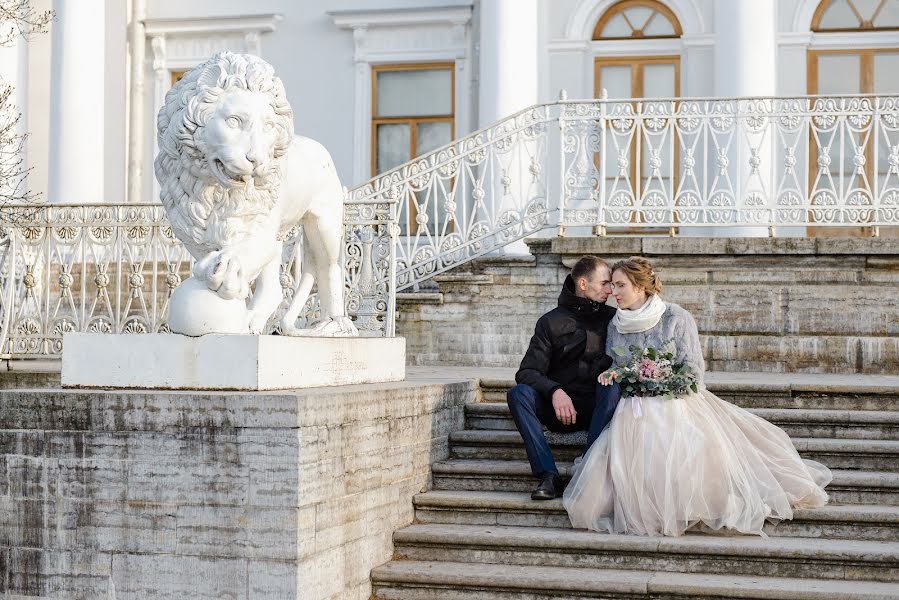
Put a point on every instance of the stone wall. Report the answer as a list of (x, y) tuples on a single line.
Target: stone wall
[(225, 496), (782, 304)]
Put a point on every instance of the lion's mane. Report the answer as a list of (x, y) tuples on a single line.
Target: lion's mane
[(203, 214)]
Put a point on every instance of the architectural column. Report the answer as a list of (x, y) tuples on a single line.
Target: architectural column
[(76, 102), (507, 83), (137, 44), (507, 78), (746, 65), (745, 48)]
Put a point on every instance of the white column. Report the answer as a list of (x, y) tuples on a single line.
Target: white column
[(507, 83), (745, 47), (76, 102), (507, 78), (137, 44), (746, 65)]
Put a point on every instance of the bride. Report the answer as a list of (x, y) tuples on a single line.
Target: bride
[(664, 466)]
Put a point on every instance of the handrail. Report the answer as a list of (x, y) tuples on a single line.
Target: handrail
[(594, 167)]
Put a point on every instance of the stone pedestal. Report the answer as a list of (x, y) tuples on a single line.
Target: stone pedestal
[(228, 362), (287, 495)]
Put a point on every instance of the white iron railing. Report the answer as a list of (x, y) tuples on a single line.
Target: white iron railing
[(601, 166)]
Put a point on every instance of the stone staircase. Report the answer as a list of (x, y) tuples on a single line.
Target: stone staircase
[(478, 535)]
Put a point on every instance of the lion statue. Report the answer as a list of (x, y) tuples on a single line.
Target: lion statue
[(234, 180)]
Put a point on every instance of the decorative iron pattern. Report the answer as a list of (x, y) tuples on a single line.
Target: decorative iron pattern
[(112, 268), (472, 196), (751, 162), (618, 165)]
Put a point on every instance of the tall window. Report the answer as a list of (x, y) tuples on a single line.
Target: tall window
[(655, 75), (412, 112), (863, 70)]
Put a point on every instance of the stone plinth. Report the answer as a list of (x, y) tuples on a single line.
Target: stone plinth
[(284, 495), (228, 362)]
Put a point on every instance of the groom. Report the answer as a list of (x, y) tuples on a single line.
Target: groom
[(557, 380)]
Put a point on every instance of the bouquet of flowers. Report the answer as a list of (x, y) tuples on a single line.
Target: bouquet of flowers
[(653, 372)]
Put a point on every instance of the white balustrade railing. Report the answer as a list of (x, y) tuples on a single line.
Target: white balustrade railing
[(601, 166), (745, 162)]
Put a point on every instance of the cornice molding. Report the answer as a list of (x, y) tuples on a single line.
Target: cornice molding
[(438, 15), (208, 25)]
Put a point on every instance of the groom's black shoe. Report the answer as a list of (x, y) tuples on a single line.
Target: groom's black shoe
[(550, 487)]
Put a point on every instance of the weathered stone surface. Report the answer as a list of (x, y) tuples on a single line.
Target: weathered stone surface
[(768, 304), (214, 495)]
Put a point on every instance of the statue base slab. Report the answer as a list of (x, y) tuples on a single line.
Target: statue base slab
[(227, 362)]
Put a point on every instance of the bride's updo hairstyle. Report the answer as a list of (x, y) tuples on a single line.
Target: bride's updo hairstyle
[(640, 273)]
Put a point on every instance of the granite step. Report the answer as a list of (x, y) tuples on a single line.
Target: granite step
[(848, 521), (723, 555), (432, 580), (774, 390), (848, 487), (797, 422), (493, 444)]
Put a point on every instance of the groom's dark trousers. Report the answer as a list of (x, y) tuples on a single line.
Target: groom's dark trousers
[(531, 411)]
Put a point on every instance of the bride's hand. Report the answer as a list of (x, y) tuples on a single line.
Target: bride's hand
[(607, 378)]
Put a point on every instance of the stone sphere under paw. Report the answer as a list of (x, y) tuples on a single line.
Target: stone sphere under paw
[(196, 310)]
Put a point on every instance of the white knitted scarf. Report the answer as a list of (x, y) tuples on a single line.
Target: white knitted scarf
[(645, 317)]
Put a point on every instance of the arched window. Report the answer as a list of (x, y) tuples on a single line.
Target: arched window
[(637, 55), (856, 15), (637, 19)]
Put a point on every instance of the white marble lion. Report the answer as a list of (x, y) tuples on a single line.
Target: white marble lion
[(234, 180)]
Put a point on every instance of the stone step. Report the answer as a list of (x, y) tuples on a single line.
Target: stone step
[(848, 521), (430, 580), (723, 555), (847, 487), (775, 390), (797, 422), (866, 455)]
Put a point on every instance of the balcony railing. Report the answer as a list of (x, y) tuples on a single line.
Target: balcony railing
[(600, 167)]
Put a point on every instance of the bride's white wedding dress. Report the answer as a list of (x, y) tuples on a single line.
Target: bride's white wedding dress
[(663, 466)]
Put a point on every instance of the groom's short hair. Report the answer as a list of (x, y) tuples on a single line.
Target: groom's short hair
[(586, 266)]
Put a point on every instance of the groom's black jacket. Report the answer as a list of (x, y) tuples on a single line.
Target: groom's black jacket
[(568, 349)]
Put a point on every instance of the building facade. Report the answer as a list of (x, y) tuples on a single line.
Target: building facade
[(379, 82)]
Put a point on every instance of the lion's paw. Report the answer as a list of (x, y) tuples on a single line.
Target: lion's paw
[(337, 327), (223, 274)]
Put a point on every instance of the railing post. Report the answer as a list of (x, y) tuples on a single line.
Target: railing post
[(563, 97), (601, 166)]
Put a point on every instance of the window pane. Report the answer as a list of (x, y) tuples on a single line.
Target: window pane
[(658, 81), (393, 145), (414, 93), (616, 27), (888, 15), (431, 136), (865, 8), (838, 15), (886, 73), (616, 80), (659, 25), (638, 15), (839, 74)]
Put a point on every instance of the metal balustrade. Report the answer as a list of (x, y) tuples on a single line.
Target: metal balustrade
[(572, 167)]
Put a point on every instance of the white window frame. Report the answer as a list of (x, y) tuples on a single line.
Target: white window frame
[(405, 36)]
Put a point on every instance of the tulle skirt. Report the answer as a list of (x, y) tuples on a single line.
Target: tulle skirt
[(664, 466)]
